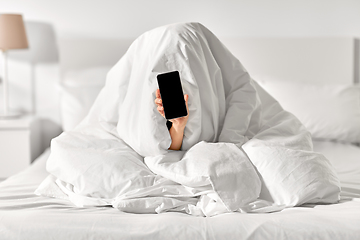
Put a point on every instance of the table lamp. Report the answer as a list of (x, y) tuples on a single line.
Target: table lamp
[(12, 36)]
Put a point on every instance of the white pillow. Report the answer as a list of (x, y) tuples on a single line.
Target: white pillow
[(79, 90), (292, 177), (330, 112), (346, 166)]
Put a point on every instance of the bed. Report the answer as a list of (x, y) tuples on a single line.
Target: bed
[(24, 215)]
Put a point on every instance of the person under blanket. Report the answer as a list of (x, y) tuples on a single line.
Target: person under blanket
[(177, 125), (239, 152)]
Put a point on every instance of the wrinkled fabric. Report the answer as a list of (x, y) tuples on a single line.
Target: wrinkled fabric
[(118, 155)]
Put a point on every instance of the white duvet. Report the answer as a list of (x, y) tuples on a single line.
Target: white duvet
[(241, 151)]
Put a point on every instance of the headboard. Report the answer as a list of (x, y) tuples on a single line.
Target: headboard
[(316, 60)]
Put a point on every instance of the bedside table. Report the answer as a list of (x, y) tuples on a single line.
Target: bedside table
[(20, 144)]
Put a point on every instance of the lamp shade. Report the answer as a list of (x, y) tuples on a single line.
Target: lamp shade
[(12, 32), (42, 44)]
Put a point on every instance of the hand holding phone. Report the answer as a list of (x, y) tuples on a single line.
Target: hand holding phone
[(179, 123), (172, 95), (170, 101)]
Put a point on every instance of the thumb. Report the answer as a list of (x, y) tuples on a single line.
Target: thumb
[(186, 97)]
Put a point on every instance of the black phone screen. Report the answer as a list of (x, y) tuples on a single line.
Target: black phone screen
[(172, 95)]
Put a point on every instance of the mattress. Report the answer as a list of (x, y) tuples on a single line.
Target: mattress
[(24, 215)]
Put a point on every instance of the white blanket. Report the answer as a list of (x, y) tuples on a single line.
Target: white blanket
[(119, 154)]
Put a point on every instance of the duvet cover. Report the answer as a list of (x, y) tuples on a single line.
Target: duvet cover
[(241, 151)]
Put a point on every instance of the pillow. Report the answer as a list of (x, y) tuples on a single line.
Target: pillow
[(347, 167), (330, 112), (292, 177), (79, 90)]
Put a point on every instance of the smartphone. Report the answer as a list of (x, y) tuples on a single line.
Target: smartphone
[(172, 95)]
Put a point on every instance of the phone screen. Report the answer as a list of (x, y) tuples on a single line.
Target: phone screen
[(172, 95)]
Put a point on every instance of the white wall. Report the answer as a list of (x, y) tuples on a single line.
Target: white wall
[(128, 19)]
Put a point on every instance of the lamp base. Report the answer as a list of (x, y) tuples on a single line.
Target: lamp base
[(9, 115)]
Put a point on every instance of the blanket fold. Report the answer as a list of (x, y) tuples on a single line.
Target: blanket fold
[(238, 142)]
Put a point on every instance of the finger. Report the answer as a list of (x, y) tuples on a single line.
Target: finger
[(158, 93), (161, 112), (158, 101), (186, 97), (160, 109)]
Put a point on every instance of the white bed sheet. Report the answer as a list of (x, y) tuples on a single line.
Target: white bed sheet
[(24, 215)]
